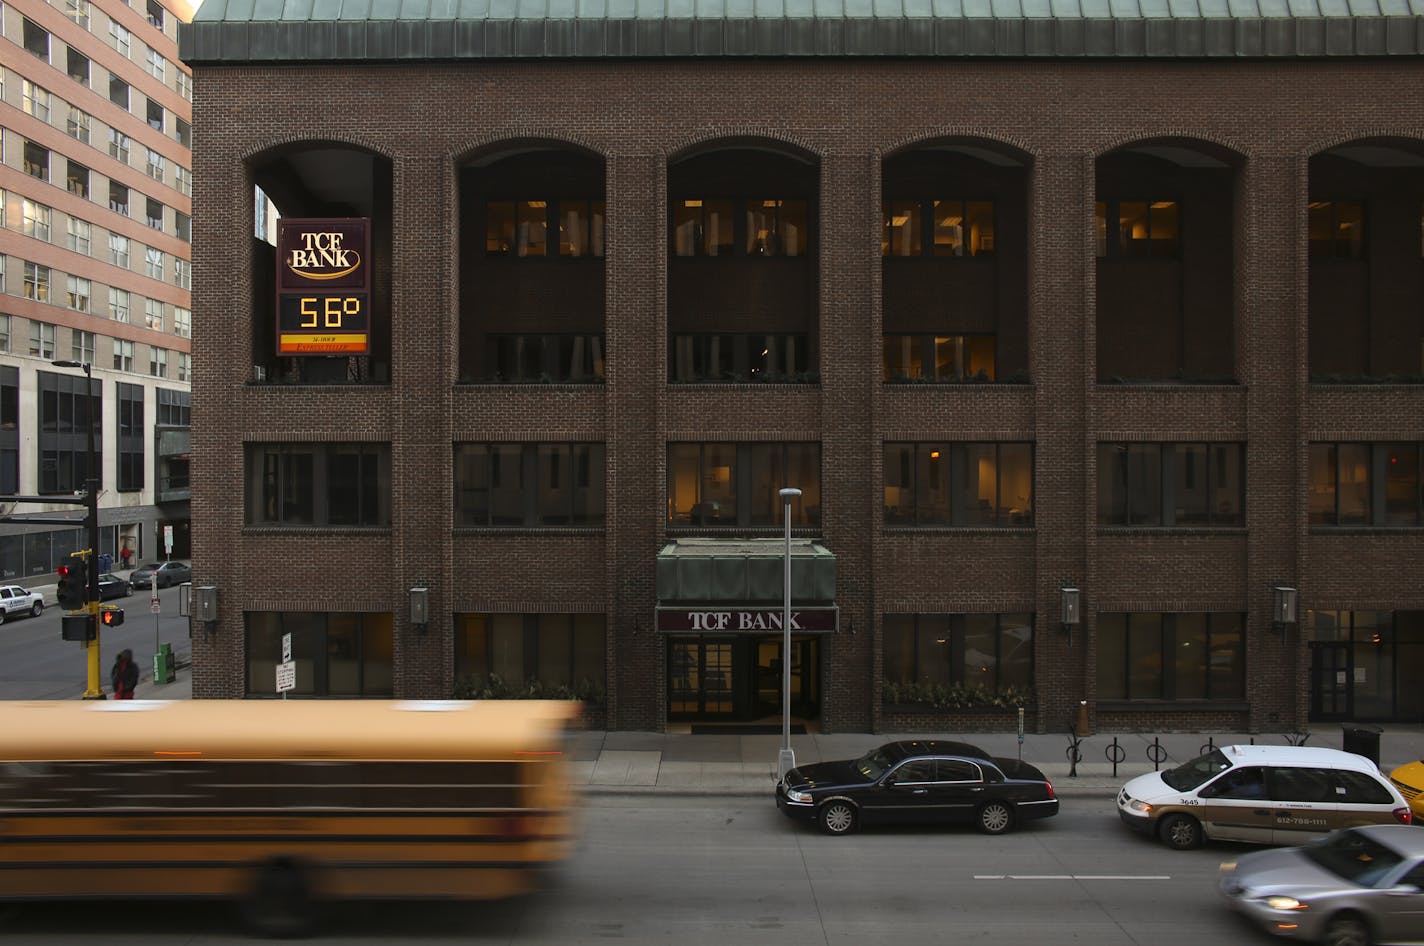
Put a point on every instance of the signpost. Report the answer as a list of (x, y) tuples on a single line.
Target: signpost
[(286, 670)]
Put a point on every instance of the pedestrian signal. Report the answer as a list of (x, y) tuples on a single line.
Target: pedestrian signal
[(111, 617), (73, 584)]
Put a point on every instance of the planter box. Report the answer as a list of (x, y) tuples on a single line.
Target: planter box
[(917, 718)]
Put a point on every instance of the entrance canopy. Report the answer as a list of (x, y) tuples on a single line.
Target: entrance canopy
[(734, 586)]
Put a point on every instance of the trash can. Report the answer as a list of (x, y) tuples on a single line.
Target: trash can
[(163, 664), (1363, 740)]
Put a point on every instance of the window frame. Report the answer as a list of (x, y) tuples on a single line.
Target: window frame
[(483, 501), (276, 474)]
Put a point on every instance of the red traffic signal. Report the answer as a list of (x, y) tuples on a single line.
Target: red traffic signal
[(73, 578), (111, 617)]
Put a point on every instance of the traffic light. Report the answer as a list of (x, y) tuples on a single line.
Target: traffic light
[(73, 583), (111, 616)]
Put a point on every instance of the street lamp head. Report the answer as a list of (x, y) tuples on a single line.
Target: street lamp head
[(789, 493), (72, 364)]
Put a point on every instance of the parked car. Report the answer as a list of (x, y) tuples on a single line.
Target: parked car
[(1355, 887), (917, 781), (161, 573), (17, 602), (112, 586), (1409, 779), (1260, 794)]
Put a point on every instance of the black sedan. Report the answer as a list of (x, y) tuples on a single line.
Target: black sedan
[(162, 574), (917, 781), (112, 586)]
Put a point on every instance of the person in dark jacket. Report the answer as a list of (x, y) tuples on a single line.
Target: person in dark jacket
[(124, 676)]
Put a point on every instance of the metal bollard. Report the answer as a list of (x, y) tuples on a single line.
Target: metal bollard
[(1156, 754), (1115, 754), (1075, 753)]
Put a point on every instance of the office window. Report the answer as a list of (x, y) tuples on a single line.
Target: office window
[(158, 362), (118, 304), (118, 199), (182, 322), (118, 93), (523, 228), (155, 164), (937, 227), (36, 38), (1140, 229), (9, 421), (119, 250), (913, 359), (120, 37), (123, 355), (119, 145), (153, 314), (36, 160), (4, 333), (77, 179), (154, 63), (740, 358), (77, 125), (318, 484), (64, 424), (36, 282), (340, 654), (556, 650), (185, 366), (131, 437), (41, 339), (81, 346), (737, 484), (184, 83), (35, 100), (155, 16), (36, 220), (959, 484), (182, 273), (153, 213), (182, 131), (78, 11), (183, 226), (1171, 656), (1337, 229), (515, 359), (182, 179), (1365, 484), (769, 226), (153, 262), (78, 63), (155, 115), (1171, 484), (78, 293), (78, 236), (989, 651), (531, 485), (175, 408)]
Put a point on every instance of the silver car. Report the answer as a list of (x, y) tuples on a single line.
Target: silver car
[(1356, 887)]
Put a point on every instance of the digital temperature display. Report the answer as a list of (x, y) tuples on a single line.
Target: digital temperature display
[(323, 286), (323, 324)]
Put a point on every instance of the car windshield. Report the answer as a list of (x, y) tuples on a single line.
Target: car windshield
[(1189, 775), (1356, 858), (874, 764)]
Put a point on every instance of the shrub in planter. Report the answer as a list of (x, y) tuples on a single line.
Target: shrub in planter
[(944, 696)]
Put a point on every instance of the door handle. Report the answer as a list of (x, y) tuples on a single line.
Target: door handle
[(921, 791)]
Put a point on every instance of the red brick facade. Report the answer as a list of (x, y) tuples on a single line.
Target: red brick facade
[(848, 116)]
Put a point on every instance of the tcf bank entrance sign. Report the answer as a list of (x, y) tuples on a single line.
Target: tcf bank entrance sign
[(323, 286)]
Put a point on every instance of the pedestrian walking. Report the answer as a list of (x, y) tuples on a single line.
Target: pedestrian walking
[(124, 676), (126, 555)]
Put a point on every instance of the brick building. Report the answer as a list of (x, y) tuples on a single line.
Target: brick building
[(96, 201), (1092, 340)]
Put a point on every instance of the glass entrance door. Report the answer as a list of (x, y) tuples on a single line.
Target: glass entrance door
[(805, 676), (699, 678), (1330, 681)]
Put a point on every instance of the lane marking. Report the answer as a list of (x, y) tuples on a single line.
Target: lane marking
[(1072, 877)]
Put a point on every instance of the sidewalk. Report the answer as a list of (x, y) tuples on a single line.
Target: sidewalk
[(634, 763)]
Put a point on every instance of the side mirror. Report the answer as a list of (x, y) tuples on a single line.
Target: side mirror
[(1404, 890)]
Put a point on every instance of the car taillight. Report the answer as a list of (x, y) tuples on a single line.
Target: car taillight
[(1403, 815), (1049, 785)]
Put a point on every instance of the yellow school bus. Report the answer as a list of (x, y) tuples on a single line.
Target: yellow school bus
[(282, 804)]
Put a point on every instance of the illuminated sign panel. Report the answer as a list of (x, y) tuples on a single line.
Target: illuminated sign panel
[(323, 286)]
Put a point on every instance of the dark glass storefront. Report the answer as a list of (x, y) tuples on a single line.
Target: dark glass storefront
[(739, 679), (1366, 665)]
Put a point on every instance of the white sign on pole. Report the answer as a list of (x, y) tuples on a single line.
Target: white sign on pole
[(153, 605), (168, 540), (286, 676), (287, 648)]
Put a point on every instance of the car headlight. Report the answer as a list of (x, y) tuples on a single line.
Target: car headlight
[(1141, 806), (1284, 903), (794, 795)]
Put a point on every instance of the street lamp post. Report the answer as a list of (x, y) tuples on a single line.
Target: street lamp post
[(93, 690), (786, 760)]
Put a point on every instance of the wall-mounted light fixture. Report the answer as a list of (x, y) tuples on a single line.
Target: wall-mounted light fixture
[(420, 608), (1285, 605), (207, 607), (1072, 614)]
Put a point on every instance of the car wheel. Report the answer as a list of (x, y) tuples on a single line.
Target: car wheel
[(838, 817), (1181, 832), (38, 608), (1346, 930), (995, 818), (3, 615)]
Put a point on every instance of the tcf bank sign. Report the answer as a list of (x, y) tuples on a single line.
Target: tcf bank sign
[(323, 286), (744, 621)]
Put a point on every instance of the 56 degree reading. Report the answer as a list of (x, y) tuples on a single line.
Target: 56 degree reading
[(328, 311)]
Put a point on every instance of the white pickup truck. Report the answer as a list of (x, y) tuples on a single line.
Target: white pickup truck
[(17, 602)]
